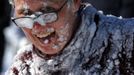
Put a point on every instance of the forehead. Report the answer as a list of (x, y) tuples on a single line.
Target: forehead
[(37, 3), (53, 1)]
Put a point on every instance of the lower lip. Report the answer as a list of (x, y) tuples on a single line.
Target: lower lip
[(50, 40)]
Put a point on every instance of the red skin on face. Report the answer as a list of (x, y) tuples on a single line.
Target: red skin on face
[(63, 27)]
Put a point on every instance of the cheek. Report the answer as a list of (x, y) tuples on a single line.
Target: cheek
[(61, 22), (28, 33)]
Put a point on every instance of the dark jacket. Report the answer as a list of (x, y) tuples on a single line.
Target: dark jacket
[(109, 47)]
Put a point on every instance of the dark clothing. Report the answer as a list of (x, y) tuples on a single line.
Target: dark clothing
[(110, 46)]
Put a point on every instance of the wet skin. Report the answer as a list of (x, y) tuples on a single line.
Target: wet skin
[(52, 37)]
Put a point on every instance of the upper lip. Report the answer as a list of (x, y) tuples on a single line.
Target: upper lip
[(45, 33), (47, 37)]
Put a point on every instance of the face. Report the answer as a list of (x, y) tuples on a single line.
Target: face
[(53, 26)]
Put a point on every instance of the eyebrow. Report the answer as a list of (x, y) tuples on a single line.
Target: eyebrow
[(56, 0)]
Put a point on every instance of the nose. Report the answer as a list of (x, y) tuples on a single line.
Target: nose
[(41, 31), (40, 19), (37, 29)]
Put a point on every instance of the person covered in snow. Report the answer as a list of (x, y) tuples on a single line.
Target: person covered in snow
[(48, 24), (69, 37)]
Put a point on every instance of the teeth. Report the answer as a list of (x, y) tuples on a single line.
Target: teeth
[(47, 33), (43, 35), (46, 41), (50, 30)]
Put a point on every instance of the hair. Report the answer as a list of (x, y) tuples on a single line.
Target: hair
[(12, 2)]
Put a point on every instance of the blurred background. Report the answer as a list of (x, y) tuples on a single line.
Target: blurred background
[(124, 8), (12, 38)]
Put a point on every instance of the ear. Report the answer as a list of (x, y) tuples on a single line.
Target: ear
[(76, 5)]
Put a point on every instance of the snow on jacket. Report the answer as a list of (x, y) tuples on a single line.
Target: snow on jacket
[(102, 45)]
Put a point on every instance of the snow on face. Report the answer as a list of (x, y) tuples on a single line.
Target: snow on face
[(62, 38), (25, 22), (46, 41), (50, 17), (46, 18), (55, 46), (42, 19)]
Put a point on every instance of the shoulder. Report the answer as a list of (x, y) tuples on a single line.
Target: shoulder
[(21, 61), (91, 15), (88, 9), (27, 62)]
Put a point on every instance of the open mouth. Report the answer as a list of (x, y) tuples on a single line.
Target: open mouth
[(48, 38), (51, 40)]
